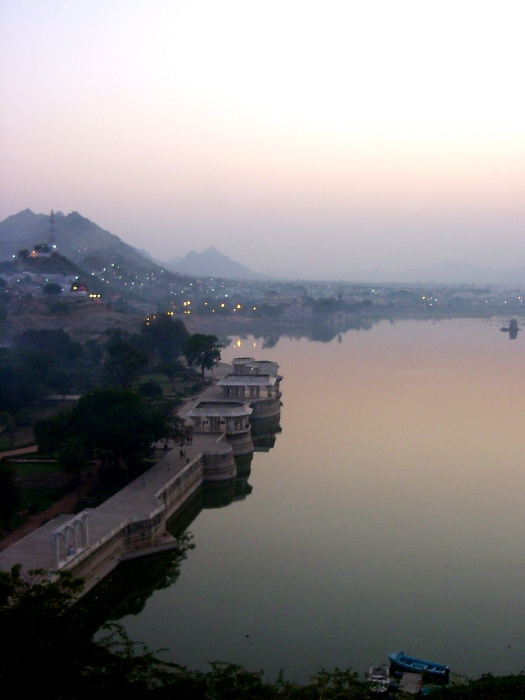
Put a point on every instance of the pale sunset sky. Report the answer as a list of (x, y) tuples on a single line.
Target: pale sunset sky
[(317, 137)]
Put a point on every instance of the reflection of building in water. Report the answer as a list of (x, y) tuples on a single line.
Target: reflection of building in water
[(264, 433), (512, 329), (126, 590), (244, 465)]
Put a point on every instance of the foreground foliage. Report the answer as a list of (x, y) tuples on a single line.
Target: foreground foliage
[(51, 654), (488, 687)]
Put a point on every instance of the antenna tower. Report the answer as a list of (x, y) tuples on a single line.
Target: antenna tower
[(52, 235)]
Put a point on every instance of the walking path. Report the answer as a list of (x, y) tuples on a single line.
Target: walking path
[(19, 451), (137, 500)]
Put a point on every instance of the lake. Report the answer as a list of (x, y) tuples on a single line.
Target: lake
[(389, 514)]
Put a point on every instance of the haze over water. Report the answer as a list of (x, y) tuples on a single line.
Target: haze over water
[(388, 516)]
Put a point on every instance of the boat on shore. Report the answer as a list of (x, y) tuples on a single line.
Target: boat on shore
[(431, 671), (379, 678)]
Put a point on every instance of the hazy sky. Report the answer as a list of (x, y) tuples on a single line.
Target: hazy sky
[(323, 137)]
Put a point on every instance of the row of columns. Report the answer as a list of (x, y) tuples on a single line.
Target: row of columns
[(69, 539)]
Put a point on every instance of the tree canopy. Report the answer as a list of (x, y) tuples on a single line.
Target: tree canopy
[(165, 335), (124, 364), (118, 422), (116, 425), (9, 495), (203, 351), (38, 361), (55, 343), (52, 289), (20, 385)]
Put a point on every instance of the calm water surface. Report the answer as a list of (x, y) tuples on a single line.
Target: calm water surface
[(388, 515)]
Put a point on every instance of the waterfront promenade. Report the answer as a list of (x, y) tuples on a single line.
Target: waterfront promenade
[(130, 523)]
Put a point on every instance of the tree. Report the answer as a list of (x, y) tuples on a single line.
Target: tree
[(60, 308), (124, 364), (165, 335), (7, 425), (9, 494), (117, 423), (172, 369), (61, 380), (52, 289), (19, 385), (150, 390), (203, 351), (72, 457), (48, 353), (55, 343), (51, 433)]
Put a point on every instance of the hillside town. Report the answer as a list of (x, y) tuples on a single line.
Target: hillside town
[(64, 272)]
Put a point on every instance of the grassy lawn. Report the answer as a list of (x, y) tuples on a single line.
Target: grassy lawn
[(41, 484), (35, 499), (28, 469), (183, 387)]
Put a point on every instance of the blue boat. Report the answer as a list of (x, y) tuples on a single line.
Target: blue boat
[(431, 671)]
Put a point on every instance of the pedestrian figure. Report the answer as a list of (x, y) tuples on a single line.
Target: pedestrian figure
[(181, 453), (143, 482), (187, 460)]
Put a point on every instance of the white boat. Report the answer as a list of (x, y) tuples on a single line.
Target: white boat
[(379, 678)]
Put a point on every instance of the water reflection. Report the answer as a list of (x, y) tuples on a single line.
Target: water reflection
[(387, 516), (126, 591), (264, 433), (270, 340), (319, 328), (512, 329)]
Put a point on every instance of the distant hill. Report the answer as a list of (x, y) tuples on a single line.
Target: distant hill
[(77, 238), (91, 247), (212, 263)]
